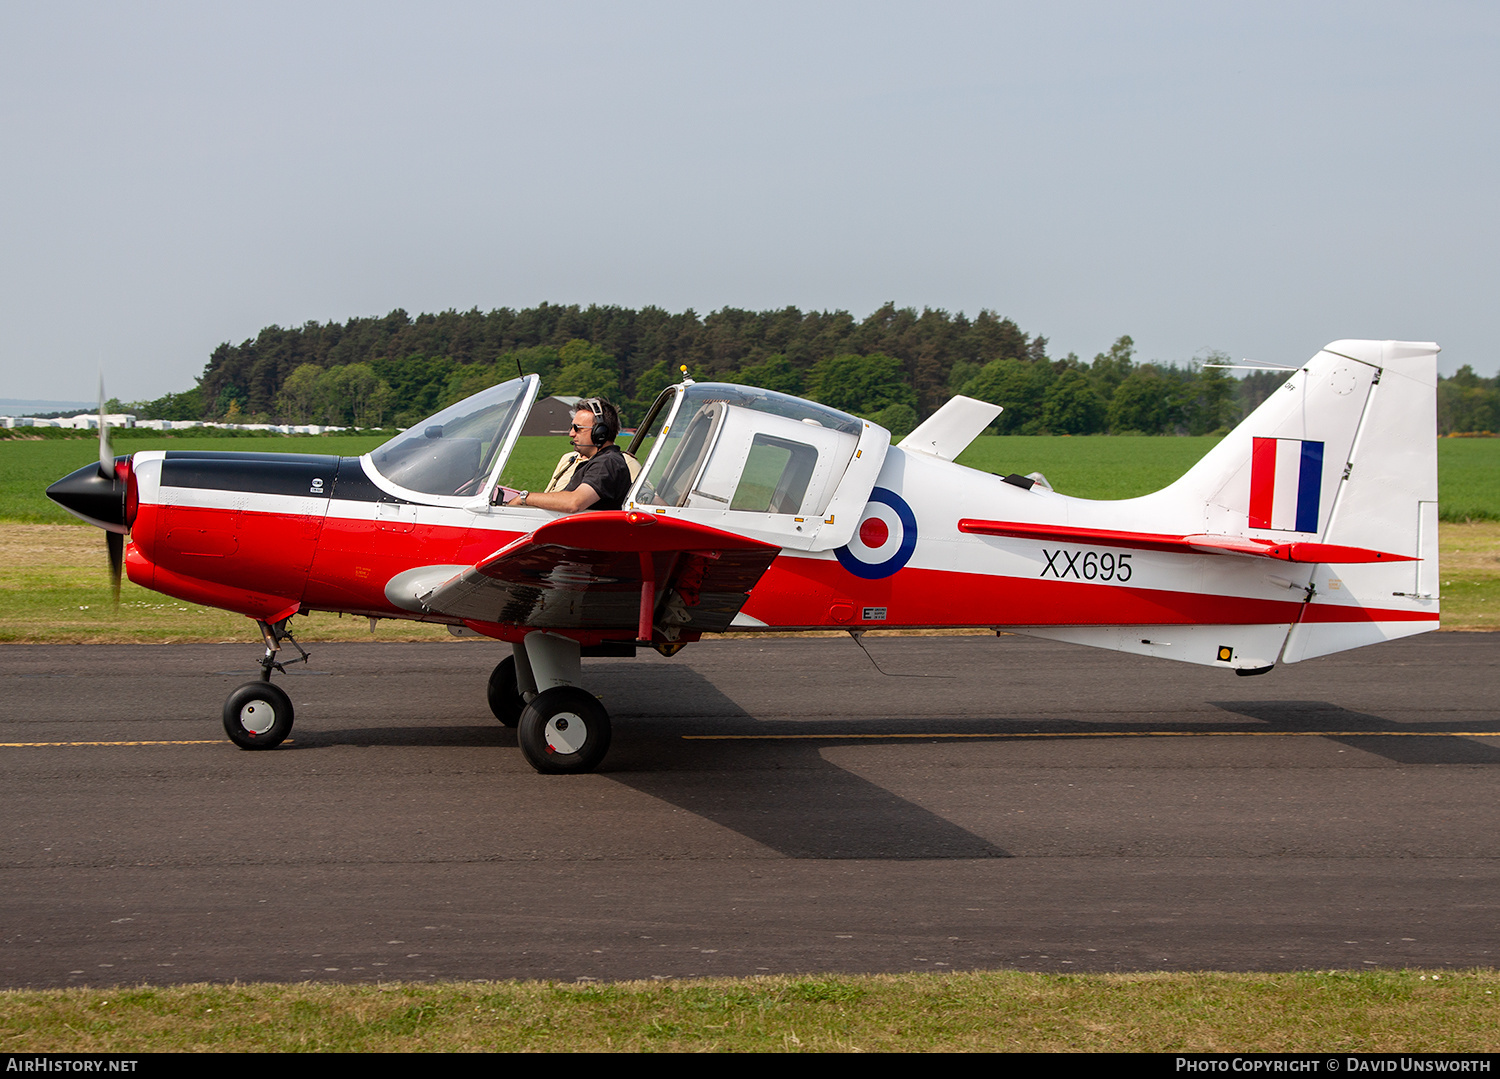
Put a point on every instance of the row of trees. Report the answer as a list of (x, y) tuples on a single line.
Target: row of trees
[(1065, 396), (1468, 403), (418, 357), (895, 366)]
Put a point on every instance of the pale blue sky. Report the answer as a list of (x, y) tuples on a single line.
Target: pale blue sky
[(1260, 179)]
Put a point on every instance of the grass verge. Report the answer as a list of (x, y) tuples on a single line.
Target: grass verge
[(1359, 1011)]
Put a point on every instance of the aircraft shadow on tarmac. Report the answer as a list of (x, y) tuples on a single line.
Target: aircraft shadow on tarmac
[(782, 794), (1322, 716), (785, 795)]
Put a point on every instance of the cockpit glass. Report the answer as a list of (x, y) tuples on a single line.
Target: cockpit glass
[(718, 453), (777, 404), (454, 452)]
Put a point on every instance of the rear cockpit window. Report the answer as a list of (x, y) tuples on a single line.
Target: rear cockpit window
[(775, 477), (738, 448)]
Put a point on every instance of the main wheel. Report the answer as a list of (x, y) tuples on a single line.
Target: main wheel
[(258, 715), (504, 695), (563, 731)]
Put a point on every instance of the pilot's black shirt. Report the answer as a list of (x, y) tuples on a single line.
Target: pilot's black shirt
[(607, 473)]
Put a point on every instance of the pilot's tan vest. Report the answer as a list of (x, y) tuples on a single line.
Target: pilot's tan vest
[(569, 462)]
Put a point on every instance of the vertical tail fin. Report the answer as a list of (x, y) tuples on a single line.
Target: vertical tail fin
[(1345, 453), (1386, 499)]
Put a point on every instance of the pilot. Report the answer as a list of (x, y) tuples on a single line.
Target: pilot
[(603, 476)]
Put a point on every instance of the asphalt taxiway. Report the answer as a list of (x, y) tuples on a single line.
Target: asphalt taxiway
[(768, 806)]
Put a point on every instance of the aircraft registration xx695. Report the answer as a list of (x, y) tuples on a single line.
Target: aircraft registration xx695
[(1311, 528)]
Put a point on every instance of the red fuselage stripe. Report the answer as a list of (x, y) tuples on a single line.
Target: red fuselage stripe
[(340, 563), (814, 592)]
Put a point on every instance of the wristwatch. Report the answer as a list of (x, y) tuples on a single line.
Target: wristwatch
[(524, 496)]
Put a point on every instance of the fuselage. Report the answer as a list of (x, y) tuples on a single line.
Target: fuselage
[(268, 534)]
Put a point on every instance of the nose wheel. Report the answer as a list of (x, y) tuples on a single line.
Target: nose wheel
[(564, 731), (258, 715)]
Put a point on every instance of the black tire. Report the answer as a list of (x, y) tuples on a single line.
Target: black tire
[(258, 715), (504, 695), (549, 733)]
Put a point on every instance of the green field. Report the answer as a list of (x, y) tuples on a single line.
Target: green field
[(1097, 466), (1104, 466), (1469, 479), (1093, 466), (1005, 1011), (27, 466)]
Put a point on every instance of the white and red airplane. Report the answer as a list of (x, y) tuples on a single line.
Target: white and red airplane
[(1310, 529)]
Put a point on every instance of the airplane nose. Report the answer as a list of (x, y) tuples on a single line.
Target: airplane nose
[(87, 494)]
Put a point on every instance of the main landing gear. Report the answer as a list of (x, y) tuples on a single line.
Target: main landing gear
[(504, 696), (258, 715), (560, 728)]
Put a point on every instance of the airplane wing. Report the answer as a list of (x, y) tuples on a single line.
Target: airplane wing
[(1331, 553), (610, 570)]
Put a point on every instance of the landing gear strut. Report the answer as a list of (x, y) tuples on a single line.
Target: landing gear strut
[(562, 729), (258, 715)]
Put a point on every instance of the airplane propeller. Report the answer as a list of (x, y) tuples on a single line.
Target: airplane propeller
[(106, 458), (97, 494), (114, 542)]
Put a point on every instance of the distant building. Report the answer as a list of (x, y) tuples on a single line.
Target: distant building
[(89, 421), (85, 422), (168, 425), (551, 416)]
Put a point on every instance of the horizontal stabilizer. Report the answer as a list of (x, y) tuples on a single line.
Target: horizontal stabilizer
[(1202, 544), (948, 431)]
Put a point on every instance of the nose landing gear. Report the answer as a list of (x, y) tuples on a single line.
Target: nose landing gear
[(258, 715)]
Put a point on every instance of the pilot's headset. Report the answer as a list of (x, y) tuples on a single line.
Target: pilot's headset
[(603, 430)]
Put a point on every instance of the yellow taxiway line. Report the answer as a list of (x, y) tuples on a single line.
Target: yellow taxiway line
[(195, 742)]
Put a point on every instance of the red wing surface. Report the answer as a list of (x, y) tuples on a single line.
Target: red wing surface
[(588, 571)]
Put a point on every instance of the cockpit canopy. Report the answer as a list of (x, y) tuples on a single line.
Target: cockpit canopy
[(738, 448), (795, 471), (456, 452)]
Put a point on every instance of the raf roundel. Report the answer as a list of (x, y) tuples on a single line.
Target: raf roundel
[(883, 540)]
